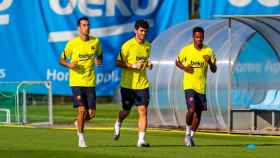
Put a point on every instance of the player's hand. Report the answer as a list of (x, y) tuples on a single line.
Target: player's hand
[(136, 66), (150, 64), (73, 65), (98, 62), (188, 69), (207, 59), (140, 65), (146, 64)]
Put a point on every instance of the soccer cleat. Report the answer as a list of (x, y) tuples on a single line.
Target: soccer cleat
[(116, 134), (192, 142), (188, 141), (143, 144), (82, 143)]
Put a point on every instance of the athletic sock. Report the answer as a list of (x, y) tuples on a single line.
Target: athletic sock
[(192, 133), (81, 135), (117, 127), (141, 137), (188, 130)]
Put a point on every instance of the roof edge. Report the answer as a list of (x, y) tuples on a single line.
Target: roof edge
[(247, 16)]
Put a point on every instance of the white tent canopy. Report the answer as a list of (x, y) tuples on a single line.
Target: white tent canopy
[(232, 39)]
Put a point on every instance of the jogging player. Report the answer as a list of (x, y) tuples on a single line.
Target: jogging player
[(134, 61), (194, 60), (80, 55)]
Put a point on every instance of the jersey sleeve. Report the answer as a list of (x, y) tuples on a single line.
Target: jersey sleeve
[(99, 48), (149, 50), (123, 53), (67, 52), (181, 56)]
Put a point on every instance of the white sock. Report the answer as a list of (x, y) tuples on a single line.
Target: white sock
[(192, 133), (188, 130), (81, 135), (141, 137), (117, 127)]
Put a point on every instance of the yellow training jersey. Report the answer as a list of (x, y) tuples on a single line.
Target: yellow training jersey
[(133, 52), (84, 52), (189, 55)]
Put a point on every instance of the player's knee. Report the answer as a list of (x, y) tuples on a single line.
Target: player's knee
[(81, 110), (142, 109)]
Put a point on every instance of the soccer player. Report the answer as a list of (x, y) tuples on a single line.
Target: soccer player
[(134, 60), (80, 55), (194, 60)]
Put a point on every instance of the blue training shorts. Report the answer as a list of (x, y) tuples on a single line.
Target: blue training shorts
[(84, 96), (136, 97), (195, 101)]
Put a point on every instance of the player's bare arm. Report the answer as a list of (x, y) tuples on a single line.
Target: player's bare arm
[(137, 66), (188, 68), (71, 65), (125, 65), (99, 60), (146, 65), (150, 65), (213, 66)]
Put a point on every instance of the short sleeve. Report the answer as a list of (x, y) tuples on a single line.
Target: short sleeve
[(181, 57), (123, 53), (67, 52), (99, 48)]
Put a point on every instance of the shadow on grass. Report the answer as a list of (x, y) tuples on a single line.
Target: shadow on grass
[(134, 146), (182, 145), (52, 153)]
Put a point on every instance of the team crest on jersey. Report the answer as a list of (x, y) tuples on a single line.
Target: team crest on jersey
[(92, 48), (147, 50)]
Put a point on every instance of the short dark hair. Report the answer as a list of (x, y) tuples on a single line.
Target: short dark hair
[(82, 18), (141, 23), (198, 29)]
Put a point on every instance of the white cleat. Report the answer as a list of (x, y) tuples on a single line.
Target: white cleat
[(82, 143), (116, 135), (192, 142), (188, 141)]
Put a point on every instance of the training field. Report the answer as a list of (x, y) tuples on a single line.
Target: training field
[(60, 142)]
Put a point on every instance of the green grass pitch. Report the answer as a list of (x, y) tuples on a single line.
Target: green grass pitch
[(58, 142)]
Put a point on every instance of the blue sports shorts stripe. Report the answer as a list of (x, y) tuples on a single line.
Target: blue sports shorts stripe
[(136, 97), (84, 96)]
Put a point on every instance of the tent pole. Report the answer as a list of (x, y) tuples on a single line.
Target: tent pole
[(229, 108)]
